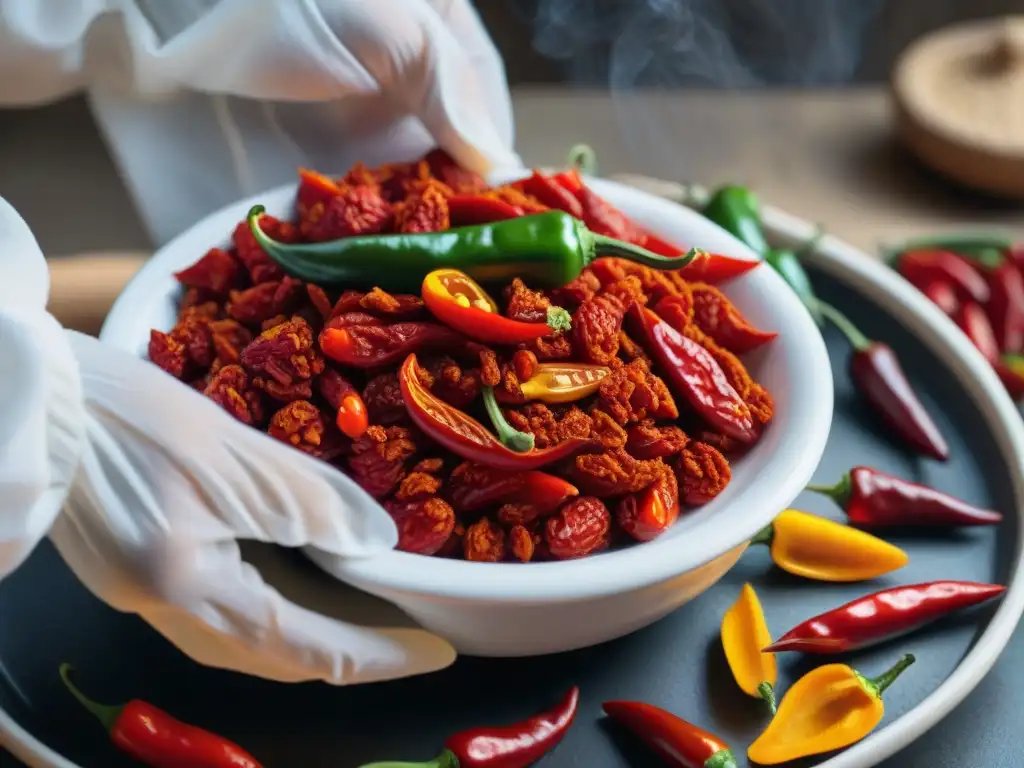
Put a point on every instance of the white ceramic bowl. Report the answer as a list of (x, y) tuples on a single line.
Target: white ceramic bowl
[(516, 610)]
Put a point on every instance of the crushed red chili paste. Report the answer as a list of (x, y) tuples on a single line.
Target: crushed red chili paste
[(249, 337)]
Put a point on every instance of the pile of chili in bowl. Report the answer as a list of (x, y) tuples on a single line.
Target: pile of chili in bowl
[(518, 370)]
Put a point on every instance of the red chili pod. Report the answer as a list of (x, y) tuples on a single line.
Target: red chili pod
[(874, 499), (942, 295), (975, 324), (678, 743), (921, 267), (1006, 307), (882, 616)]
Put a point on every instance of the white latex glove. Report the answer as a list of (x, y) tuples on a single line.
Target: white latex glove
[(157, 484), (204, 102)]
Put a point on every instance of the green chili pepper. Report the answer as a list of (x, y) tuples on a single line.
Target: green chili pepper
[(547, 250), (788, 265), (738, 211)]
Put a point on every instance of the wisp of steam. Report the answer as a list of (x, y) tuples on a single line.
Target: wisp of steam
[(644, 45)]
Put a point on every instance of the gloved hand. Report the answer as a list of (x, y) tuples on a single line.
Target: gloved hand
[(157, 483), (204, 102)]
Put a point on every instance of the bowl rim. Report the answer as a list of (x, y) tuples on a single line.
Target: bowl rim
[(610, 573)]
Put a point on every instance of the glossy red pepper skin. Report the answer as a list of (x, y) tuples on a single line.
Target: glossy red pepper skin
[(878, 375), (479, 209), (974, 322), (1006, 307), (518, 745), (678, 743), (362, 341), (153, 737), (466, 437), (695, 376), (923, 266), (882, 616), (492, 487), (714, 268), (874, 499), (552, 194), (942, 295)]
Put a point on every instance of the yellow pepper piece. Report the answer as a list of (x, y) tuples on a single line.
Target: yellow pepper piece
[(829, 708), (564, 382), (818, 548), (744, 634)]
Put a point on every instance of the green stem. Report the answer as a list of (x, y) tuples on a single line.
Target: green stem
[(609, 246), (857, 340), (839, 493), (768, 694), (559, 319), (888, 677), (446, 759), (764, 536), (812, 244), (721, 759), (105, 713), (583, 158), (510, 437)]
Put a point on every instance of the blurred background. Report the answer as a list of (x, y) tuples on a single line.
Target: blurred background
[(787, 96)]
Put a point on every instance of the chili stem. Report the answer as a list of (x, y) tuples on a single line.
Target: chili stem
[(609, 246), (105, 713), (888, 677), (511, 438), (559, 319), (583, 158), (857, 340), (446, 759), (768, 694), (764, 536), (840, 492)]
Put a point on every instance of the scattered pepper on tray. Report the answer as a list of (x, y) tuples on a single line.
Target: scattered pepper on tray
[(872, 498), (547, 249), (456, 300), (818, 548), (510, 746), (744, 637), (878, 375), (678, 743), (829, 708), (883, 615), (153, 737)]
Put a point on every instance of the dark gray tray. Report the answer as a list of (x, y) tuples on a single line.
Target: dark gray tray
[(46, 617)]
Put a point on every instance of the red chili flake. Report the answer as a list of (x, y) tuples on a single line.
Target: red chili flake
[(285, 353), (168, 353), (521, 543), (581, 527), (426, 211), (676, 310), (557, 346), (722, 321), (632, 393), (424, 525), (518, 513), (229, 339), (606, 429), (359, 175), (574, 293), (301, 425), (613, 473), (703, 473), (355, 211), (383, 398), (595, 328), (261, 268), (216, 271), (229, 388), (264, 301), (648, 440), (484, 542), (417, 485), (648, 514), (525, 305), (194, 332), (378, 458)]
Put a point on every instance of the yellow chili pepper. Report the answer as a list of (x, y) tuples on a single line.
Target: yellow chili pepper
[(564, 382), (744, 634), (818, 548), (829, 708)]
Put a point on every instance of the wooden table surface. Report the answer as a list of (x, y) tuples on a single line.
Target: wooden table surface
[(827, 156)]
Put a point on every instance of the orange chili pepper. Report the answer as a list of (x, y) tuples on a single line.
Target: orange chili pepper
[(818, 548), (564, 382), (829, 708), (458, 301), (352, 418), (744, 634)]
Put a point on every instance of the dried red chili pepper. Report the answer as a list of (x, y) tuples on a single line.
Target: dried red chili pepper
[(942, 295), (480, 209), (724, 323), (696, 376), (872, 498), (364, 341), (553, 195), (679, 744), (473, 487), (509, 746), (466, 437), (458, 301), (882, 616), (975, 324), (152, 736), (921, 267), (1006, 306), (877, 373), (648, 514), (601, 216), (715, 268)]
